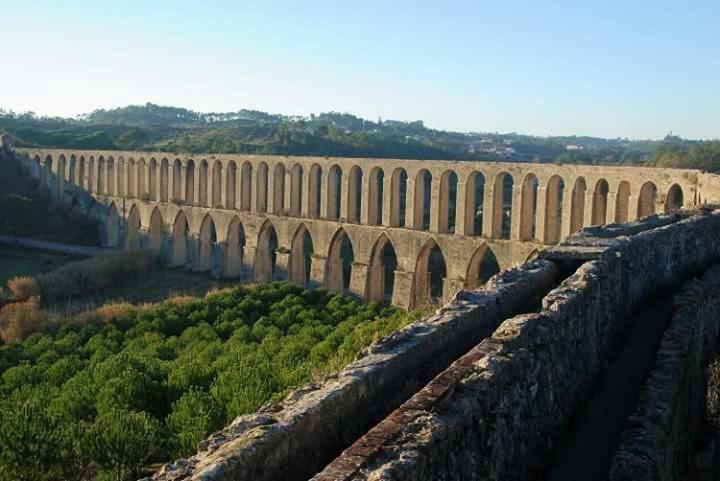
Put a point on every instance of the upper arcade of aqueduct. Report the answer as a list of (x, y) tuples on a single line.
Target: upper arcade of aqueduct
[(401, 230)]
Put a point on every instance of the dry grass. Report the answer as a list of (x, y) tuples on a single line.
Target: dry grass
[(94, 275), (19, 320), (23, 288)]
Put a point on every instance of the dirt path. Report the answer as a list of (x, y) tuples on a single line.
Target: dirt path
[(54, 246)]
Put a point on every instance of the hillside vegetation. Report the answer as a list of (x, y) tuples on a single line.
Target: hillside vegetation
[(153, 127), (26, 211), (124, 386)]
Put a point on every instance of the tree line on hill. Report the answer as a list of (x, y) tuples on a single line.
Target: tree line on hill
[(152, 127)]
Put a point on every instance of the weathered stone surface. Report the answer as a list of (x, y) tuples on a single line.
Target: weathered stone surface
[(494, 412), (659, 441)]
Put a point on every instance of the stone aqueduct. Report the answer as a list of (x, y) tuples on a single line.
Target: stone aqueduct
[(404, 231)]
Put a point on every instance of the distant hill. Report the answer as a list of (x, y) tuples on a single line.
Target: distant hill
[(153, 127)]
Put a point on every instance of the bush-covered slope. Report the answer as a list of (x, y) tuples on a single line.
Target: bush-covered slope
[(127, 385)]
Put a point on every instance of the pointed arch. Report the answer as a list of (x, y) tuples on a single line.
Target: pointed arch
[(430, 272), (73, 179), (235, 249), (380, 284), (528, 207), (91, 179), (132, 237), (314, 196), (483, 265), (112, 227), (674, 199), (156, 230), (217, 177), (190, 182), (246, 186), (261, 188), (599, 203), (577, 205), (502, 205), (555, 193), (141, 191), (111, 185), (398, 198), (231, 185), (181, 231), (202, 193), (296, 189), (474, 203), (152, 179), (164, 180), (60, 175), (340, 259), (302, 250), (622, 202), (334, 192), (207, 239), (421, 202), (131, 178), (82, 173), (647, 200), (101, 176), (177, 191), (448, 202), (279, 189), (376, 181), (266, 253), (120, 168), (354, 194)]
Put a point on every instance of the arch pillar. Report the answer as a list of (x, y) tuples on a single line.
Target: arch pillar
[(183, 184), (435, 205), (282, 264), (515, 217), (489, 209), (305, 196), (566, 212), (248, 261), (358, 279), (324, 189), (218, 251), (317, 270), (410, 201), (170, 181), (589, 204), (144, 238), (403, 288), (271, 190), (541, 209), (287, 199), (223, 187), (632, 206), (461, 208), (344, 193), (611, 206), (365, 204), (386, 203), (451, 286)]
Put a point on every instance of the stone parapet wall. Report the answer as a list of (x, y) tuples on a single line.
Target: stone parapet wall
[(659, 441), (297, 438), (494, 413)]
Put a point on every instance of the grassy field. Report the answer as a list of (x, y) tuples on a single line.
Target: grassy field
[(20, 261)]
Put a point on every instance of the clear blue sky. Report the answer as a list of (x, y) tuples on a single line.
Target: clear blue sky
[(615, 68)]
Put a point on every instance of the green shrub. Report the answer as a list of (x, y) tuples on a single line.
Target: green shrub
[(125, 385)]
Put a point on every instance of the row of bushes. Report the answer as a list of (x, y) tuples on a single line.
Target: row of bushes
[(128, 385)]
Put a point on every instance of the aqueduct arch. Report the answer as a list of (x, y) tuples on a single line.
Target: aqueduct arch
[(360, 215)]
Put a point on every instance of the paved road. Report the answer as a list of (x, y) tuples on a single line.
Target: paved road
[(54, 246)]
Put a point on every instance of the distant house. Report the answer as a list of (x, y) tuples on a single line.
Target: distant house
[(574, 147)]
